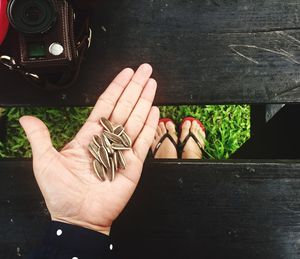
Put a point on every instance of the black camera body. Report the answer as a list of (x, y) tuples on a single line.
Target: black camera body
[(45, 32), (50, 40)]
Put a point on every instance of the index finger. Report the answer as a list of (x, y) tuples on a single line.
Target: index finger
[(108, 99)]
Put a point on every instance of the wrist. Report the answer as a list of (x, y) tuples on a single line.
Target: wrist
[(69, 240), (100, 229)]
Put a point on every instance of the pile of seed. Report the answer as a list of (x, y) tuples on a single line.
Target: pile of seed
[(107, 150)]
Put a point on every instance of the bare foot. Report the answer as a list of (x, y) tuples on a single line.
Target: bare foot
[(167, 148), (191, 149)]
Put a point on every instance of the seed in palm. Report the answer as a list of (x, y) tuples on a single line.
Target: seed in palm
[(107, 150), (99, 170)]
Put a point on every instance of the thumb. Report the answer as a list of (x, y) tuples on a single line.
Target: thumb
[(37, 134)]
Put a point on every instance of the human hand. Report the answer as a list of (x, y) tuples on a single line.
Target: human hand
[(72, 191)]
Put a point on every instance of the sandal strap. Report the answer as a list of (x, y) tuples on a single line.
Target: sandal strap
[(183, 143), (167, 135)]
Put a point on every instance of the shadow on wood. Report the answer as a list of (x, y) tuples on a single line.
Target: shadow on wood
[(277, 139)]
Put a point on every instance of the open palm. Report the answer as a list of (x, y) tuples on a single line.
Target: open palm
[(72, 191)]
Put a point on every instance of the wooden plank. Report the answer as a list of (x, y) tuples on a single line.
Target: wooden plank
[(202, 52), (181, 209), (23, 214), (277, 139)]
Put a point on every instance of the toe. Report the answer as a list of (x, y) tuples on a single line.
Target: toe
[(170, 127), (185, 130), (162, 128), (201, 132), (186, 125), (166, 149), (158, 130), (197, 130), (156, 135), (194, 127)]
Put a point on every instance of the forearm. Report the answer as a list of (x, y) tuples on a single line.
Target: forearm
[(69, 241)]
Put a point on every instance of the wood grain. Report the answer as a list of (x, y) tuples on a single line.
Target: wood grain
[(202, 52), (224, 209)]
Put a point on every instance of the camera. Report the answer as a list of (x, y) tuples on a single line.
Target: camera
[(50, 40), (46, 39)]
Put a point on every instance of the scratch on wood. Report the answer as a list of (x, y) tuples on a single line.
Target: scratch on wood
[(280, 52), (242, 55), (289, 91), (284, 51), (290, 37)]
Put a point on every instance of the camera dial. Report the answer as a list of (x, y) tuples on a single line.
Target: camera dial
[(31, 16)]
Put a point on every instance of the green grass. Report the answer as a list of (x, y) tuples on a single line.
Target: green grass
[(63, 123), (227, 126)]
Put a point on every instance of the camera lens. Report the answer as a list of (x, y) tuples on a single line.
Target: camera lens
[(31, 16)]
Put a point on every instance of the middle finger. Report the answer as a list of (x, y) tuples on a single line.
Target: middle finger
[(131, 95), (137, 118)]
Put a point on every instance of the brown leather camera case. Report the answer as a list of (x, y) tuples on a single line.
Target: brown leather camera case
[(62, 32)]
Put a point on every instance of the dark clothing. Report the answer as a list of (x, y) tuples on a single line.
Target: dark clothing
[(64, 241)]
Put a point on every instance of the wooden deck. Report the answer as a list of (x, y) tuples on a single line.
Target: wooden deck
[(182, 209), (203, 52), (206, 51)]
